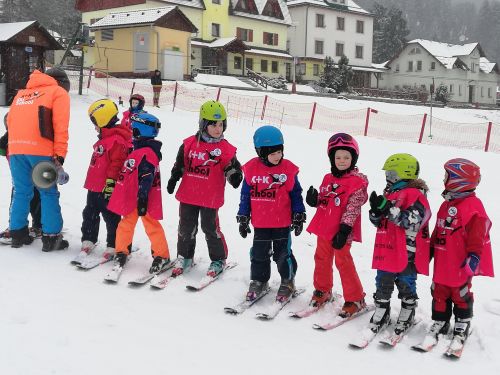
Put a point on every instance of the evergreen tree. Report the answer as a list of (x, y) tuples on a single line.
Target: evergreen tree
[(389, 32), (343, 75), (328, 76)]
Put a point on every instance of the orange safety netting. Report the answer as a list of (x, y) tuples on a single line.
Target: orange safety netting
[(394, 127), (335, 121)]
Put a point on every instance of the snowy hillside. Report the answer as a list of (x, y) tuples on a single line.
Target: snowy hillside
[(55, 319)]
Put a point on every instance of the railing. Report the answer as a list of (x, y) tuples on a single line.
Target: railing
[(257, 78)]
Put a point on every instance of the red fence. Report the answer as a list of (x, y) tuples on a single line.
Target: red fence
[(258, 108)]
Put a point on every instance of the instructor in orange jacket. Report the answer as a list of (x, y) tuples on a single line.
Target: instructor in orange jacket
[(38, 123)]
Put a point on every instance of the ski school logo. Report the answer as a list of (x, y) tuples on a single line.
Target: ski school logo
[(129, 164), (273, 182), (29, 98), (452, 211), (212, 155), (328, 192), (99, 150)]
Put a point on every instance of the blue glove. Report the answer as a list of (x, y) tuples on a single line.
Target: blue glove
[(471, 264)]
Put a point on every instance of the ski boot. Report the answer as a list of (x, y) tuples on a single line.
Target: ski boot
[(255, 289), (216, 267), (439, 327), (36, 232), (351, 308), (120, 260), (461, 329), (109, 252), (406, 315), (285, 291), (54, 242), (87, 248), (320, 298), (20, 237), (382, 315), (181, 264), (159, 264)]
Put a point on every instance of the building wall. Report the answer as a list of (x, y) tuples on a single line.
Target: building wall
[(458, 80), (259, 27), (257, 67), (215, 13), (117, 55)]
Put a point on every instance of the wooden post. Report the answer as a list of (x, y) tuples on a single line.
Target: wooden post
[(422, 129), (133, 88), (312, 116), (264, 108), (367, 121), (488, 134), (175, 96), (218, 94)]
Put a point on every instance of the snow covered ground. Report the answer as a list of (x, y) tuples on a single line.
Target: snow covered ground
[(55, 319)]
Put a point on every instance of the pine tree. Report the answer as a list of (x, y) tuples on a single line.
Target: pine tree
[(328, 76), (343, 75), (390, 32)]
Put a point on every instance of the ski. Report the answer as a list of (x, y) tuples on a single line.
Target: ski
[(207, 280), (82, 256), (141, 280), (93, 260), (310, 310), (113, 276), (367, 335), (428, 343), (160, 282), (456, 347), (245, 305), (393, 339), (277, 306), (338, 320)]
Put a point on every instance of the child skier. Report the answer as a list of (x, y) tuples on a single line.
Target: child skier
[(337, 223), (138, 194), (136, 102), (271, 198), (461, 247), (402, 241), (35, 206), (204, 162), (110, 152)]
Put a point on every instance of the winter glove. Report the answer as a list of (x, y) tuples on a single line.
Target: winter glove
[(340, 239), (171, 185), (298, 220), (470, 264), (312, 197), (58, 160), (244, 222), (3, 152), (108, 188), (235, 179), (142, 206), (379, 204), (375, 217)]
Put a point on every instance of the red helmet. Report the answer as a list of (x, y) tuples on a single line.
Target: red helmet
[(462, 175), (342, 140), (140, 98)]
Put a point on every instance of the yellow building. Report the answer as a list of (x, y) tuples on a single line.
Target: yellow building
[(135, 43), (260, 27)]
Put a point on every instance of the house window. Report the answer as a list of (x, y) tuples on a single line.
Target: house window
[(419, 66), (341, 23), (274, 66), (270, 39), (301, 69), (245, 35), (216, 29), (107, 35), (360, 27), (397, 67), (410, 66), (320, 20), (318, 47), (249, 63), (359, 52), (315, 70), (482, 94), (473, 68), (459, 90), (489, 92), (94, 20), (263, 66), (433, 65), (339, 49), (451, 89), (237, 62), (215, 1)]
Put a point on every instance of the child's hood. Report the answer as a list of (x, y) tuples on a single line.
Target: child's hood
[(418, 184), (119, 130), (153, 144)]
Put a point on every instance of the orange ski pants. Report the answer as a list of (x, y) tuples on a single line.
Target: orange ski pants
[(153, 228), (323, 271)]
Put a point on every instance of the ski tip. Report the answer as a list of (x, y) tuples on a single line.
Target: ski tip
[(192, 288), (230, 311)]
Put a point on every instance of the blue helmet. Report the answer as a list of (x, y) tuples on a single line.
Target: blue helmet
[(144, 125), (266, 136)]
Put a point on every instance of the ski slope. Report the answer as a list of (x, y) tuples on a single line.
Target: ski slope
[(56, 319)]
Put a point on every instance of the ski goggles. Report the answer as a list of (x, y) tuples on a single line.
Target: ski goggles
[(338, 138)]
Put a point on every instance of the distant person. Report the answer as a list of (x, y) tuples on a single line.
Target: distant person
[(38, 124), (136, 102), (157, 84)]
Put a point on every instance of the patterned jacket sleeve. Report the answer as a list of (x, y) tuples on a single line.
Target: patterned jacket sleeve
[(353, 208)]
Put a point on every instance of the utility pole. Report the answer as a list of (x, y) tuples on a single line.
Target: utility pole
[(430, 120)]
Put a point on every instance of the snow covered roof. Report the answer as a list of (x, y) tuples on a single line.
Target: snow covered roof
[(349, 5), (486, 66), (260, 4), (382, 66), (221, 42), (133, 17), (8, 30), (256, 51), (188, 3)]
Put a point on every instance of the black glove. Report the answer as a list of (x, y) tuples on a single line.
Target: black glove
[(375, 217), (171, 185), (340, 238), (235, 179), (298, 220), (142, 206), (58, 160), (244, 222), (312, 197), (379, 204)]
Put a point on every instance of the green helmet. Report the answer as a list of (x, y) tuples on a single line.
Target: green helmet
[(212, 111), (405, 166)]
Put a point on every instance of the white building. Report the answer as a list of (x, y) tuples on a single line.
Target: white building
[(464, 69), (332, 28)]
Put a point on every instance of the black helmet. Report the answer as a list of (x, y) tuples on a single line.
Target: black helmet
[(60, 76)]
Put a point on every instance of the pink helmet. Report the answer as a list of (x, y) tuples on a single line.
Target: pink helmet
[(341, 140), (463, 175)]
